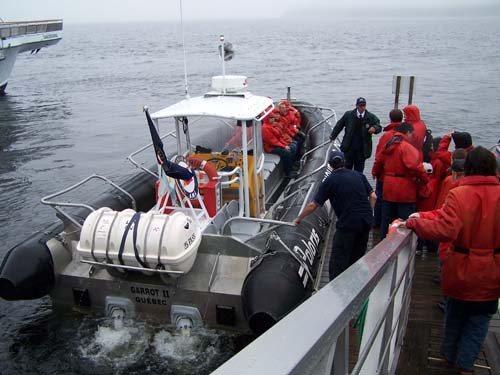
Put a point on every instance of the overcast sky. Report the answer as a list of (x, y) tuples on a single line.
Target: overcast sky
[(129, 10)]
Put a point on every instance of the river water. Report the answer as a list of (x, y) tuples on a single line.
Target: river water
[(76, 108)]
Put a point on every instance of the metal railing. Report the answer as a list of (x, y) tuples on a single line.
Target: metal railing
[(314, 338)]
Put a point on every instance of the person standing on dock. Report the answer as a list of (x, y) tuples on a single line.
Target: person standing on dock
[(402, 166), (470, 221), (396, 118), (352, 199), (359, 125)]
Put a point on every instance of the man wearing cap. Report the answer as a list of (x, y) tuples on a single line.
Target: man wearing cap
[(359, 126), (352, 199)]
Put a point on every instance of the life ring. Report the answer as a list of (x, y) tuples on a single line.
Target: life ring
[(207, 168), (203, 165)]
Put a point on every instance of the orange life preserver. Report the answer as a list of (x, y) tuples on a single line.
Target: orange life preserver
[(204, 166)]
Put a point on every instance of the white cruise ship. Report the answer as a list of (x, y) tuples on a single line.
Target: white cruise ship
[(17, 37)]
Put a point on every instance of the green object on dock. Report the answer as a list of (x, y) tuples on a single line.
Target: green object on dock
[(359, 322)]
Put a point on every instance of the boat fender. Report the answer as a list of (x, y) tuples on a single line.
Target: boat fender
[(27, 271)]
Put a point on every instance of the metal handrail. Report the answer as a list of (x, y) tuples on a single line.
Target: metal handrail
[(323, 345), (55, 205), (325, 120), (255, 220), (131, 159)]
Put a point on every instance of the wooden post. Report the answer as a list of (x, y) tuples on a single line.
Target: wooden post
[(410, 93), (396, 96)]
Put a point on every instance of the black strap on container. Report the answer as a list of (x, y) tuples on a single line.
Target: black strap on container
[(133, 220)]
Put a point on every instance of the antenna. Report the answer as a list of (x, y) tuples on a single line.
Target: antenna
[(222, 52), (184, 51)]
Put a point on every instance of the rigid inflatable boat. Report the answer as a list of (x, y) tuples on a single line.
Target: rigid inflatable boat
[(202, 237)]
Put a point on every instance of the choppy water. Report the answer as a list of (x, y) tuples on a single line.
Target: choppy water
[(75, 109)]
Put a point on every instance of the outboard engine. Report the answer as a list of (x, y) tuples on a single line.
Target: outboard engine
[(27, 271)]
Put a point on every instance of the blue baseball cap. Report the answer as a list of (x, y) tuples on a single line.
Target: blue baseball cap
[(336, 154)]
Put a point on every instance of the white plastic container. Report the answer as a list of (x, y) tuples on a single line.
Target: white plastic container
[(169, 240), (229, 83)]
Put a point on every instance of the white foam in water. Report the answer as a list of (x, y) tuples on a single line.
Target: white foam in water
[(199, 347), (126, 344)]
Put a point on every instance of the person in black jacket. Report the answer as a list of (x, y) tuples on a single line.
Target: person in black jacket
[(359, 126)]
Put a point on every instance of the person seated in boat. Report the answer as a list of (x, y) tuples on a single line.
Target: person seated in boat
[(291, 122), (272, 138), (235, 142), (286, 135)]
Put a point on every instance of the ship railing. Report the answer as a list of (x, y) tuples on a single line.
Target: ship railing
[(150, 144), (314, 337), (56, 205)]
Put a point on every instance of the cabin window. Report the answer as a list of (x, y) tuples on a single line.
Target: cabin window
[(41, 28), (4, 33), (31, 29), (14, 31), (22, 30), (54, 26)]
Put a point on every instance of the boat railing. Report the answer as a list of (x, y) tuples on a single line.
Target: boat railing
[(320, 168), (236, 171), (253, 220), (314, 337), (135, 153), (56, 205)]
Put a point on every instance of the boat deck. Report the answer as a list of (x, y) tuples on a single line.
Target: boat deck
[(425, 325)]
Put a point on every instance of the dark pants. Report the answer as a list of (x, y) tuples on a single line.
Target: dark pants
[(465, 329), (355, 159), (286, 156), (377, 212), (394, 210), (347, 248)]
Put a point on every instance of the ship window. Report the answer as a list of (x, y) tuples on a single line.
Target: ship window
[(54, 26), (4, 33), (41, 28), (22, 30), (31, 29), (14, 31)]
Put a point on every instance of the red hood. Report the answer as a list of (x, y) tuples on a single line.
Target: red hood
[(412, 113), (391, 126), (394, 142)]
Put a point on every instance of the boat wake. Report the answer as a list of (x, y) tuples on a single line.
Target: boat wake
[(120, 349)]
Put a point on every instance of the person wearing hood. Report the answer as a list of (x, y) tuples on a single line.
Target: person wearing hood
[(470, 222), (359, 125), (402, 167), (396, 117), (412, 115)]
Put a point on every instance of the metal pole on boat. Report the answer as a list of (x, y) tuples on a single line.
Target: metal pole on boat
[(222, 52), (184, 52), (288, 94)]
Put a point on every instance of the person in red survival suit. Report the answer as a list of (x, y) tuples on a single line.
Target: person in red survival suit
[(291, 117), (412, 115), (461, 140), (272, 138), (470, 220), (402, 166), (396, 117)]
